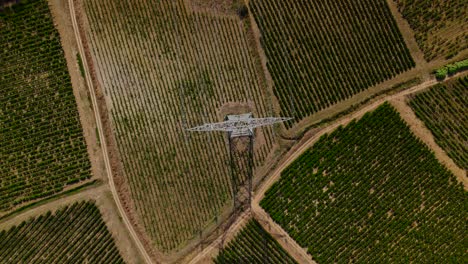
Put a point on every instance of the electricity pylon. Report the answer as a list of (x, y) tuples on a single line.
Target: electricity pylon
[(240, 128), (240, 125)]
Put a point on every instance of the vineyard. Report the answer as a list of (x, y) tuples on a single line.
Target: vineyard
[(164, 69), (323, 52), (42, 148), (73, 234), (444, 110), (440, 26), (253, 245), (371, 192)]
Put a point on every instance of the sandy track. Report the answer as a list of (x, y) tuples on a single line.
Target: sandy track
[(103, 141), (290, 157), (84, 195), (422, 132), (285, 240), (207, 253), (281, 236)]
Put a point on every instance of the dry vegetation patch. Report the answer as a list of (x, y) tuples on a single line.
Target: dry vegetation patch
[(164, 69), (227, 7)]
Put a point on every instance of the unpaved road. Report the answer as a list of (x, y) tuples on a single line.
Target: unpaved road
[(283, 238), (292, 247), (206, 254), (260, 192), (103, 141), (418, 127), (93, 193)]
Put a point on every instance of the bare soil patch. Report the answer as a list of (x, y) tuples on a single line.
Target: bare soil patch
[(112, 152), (234, 108)]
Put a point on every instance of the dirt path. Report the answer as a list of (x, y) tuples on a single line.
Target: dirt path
[(103, 198), (91, 193), (420, 130), (97, 115), (408, 35), (208, 253), (285, 240), (304, 145)]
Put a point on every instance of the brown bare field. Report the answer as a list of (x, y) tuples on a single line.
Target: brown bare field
[(178, 181)]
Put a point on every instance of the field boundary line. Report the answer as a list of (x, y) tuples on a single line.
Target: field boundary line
[(53, 205), (299, 148), (97, 116), (281, 236), (94, 184), (239, 223), (419, 129)]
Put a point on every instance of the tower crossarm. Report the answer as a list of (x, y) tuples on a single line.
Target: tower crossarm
[(240, 124)]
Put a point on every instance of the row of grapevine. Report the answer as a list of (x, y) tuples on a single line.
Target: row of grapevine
[(371, 192), (163, 70), (253, 245), (323, 52), (444, 110), (73, 234), (42, 148), (440, 26)]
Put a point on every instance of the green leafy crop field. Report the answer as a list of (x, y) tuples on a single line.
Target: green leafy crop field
[(253, 245), (444, 110), (42, 148), (73, 234), (371, 192), (323, 52), (440, 26)]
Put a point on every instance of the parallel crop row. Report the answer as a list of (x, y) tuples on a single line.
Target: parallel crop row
[(371, 192), (444, 110), (74, 234), (440, 26), (253, 245), (165, 69), (322, 52), (42, 148)]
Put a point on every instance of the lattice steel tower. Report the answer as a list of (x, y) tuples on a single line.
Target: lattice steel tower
[(240, 129)]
